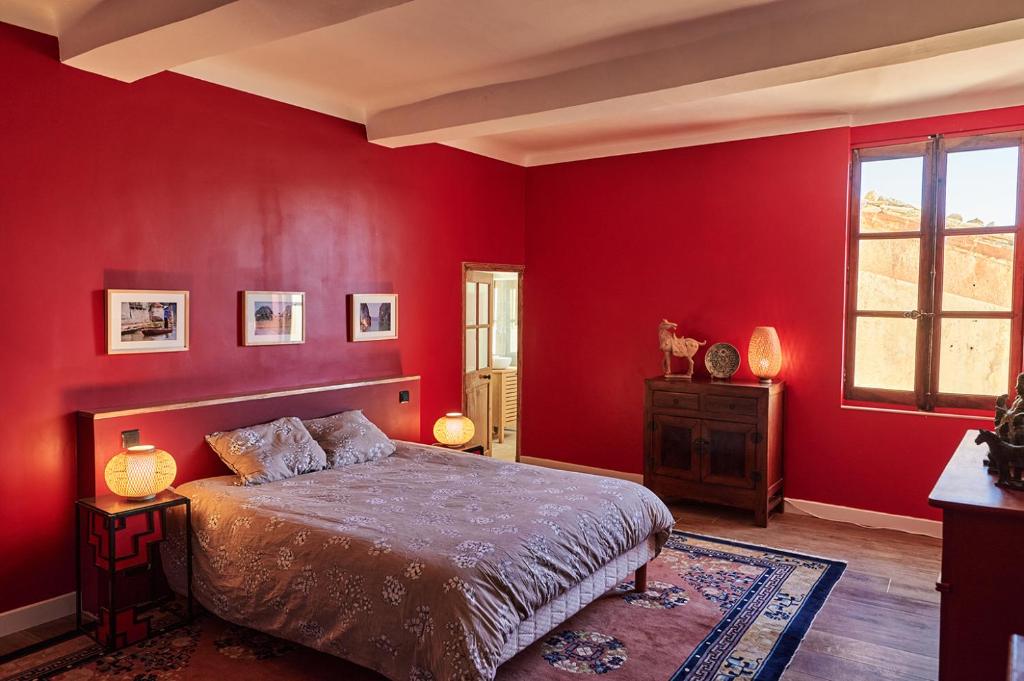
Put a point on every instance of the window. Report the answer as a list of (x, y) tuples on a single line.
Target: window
[(934, 276)]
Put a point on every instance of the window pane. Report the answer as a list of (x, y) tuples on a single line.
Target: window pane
[(485, 301), (978, 272), (884, 353), (887, 274), (470, 350), (470, 303), (974, 356), (981, 188), (483, 342), (890, 195)]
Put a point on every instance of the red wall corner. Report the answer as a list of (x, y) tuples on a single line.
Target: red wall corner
[(719, 238)]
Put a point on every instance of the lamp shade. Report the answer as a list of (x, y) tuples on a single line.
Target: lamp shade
[(140, 472), (453, 429), (765, 353)]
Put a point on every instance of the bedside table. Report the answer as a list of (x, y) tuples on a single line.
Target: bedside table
[(475, 449), (119, 541)]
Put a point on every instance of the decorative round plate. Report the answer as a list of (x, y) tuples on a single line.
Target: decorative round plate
[(722, 360)]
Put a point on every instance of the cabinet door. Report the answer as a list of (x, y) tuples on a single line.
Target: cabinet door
[(729, 453), (675, 446)]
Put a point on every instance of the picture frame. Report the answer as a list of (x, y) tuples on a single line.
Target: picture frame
[(372, 316), (145, 321), (273, 317)]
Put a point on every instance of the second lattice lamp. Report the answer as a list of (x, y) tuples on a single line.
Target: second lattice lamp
[(765, 353)]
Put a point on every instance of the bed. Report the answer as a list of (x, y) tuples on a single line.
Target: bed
[(428, 564)]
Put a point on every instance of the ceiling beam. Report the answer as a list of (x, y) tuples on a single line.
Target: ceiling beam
[(742, 51), (132, 39)]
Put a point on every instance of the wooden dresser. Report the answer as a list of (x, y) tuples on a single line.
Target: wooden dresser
[(982, 564), (714, 441)]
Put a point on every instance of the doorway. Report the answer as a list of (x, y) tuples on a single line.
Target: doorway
[(492, 333)]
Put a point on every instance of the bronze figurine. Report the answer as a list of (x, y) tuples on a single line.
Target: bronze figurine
[(1004, 460), (1009, 420), (1006, 444)]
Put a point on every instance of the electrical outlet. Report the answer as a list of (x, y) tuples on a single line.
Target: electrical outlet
[(130, 438)]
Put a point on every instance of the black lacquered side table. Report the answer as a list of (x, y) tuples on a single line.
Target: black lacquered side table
[(118, 542)]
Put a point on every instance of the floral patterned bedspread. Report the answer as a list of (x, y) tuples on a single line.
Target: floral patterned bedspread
[(420, 565)]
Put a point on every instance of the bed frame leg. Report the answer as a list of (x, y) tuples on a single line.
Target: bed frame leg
[(640, 583)]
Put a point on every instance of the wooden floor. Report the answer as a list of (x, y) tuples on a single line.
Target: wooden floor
[(882, 619), (29, 637)]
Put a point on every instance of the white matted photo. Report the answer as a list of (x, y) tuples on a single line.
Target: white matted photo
[(372, 316), (274, 317), (146, 321)]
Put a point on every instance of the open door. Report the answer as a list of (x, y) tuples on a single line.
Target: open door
[(478, 327)]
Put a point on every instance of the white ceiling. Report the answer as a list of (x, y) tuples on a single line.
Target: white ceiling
[(544, 81), (44, 16)]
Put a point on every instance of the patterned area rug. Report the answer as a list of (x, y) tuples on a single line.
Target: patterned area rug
[(714, 610)]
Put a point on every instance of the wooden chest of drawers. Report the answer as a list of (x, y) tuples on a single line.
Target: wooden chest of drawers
[(982, 555), (717, 442)]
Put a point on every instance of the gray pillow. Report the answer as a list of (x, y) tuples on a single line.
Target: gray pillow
[(349, 437), (267, 452)]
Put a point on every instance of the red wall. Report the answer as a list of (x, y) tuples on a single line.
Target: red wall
[(174, 183), (721, 239)]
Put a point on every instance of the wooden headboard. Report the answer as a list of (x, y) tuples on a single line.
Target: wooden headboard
[(392, 403)]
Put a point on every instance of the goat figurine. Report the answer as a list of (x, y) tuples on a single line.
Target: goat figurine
[(1004, 459), (671, 344)]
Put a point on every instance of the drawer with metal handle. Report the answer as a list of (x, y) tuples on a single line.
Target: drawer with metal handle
[(667, 400), (725, 404)]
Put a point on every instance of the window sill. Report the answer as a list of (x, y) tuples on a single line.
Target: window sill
[(969, 414)]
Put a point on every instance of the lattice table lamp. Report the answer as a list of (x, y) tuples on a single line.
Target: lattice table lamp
[(765, 353), (140, 472), (453, 429)]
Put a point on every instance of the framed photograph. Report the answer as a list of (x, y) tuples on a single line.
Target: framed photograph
[(146, 321), (372, 316), (273, 317)]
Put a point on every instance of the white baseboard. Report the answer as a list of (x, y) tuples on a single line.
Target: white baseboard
[(842, 514), (35, 614), (865, 518)]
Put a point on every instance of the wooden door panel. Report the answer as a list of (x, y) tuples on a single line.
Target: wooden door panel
[(478, 311), (729, 453), (675, 446), (478, 408)]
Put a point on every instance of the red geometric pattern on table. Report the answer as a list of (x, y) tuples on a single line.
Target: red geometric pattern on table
[(129, 629), (132, 537)]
